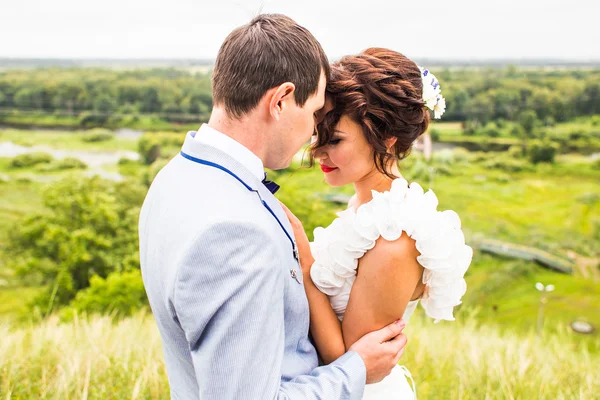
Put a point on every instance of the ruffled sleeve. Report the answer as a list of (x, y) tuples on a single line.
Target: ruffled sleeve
[(336, 250), (438, 235)]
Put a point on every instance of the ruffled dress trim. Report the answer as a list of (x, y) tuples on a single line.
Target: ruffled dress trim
[(438, 235)]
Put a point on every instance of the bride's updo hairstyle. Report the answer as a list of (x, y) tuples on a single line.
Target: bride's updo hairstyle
[(382, 90)]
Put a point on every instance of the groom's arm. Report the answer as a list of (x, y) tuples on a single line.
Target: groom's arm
[(229, 301)]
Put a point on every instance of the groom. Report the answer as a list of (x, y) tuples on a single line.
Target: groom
[(218, 256)]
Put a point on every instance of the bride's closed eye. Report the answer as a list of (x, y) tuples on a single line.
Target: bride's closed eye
[(334, 141)]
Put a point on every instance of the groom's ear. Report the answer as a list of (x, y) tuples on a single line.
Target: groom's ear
[(280, 99)]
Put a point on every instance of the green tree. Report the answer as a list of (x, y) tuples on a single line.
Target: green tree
[(66, 96), (590, 100), (529, 122), (150, 101), (88, 227), (542, 151), (105, 104), (491, 130), (28, 98)]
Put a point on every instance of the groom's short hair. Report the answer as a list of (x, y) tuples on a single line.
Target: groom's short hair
[(268, 51)]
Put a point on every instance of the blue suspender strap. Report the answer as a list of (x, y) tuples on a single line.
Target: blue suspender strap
[(264, 203), (211, 164), (281, 225)]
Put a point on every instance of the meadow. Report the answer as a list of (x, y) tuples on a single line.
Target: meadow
[(73, 315), (103, 358)]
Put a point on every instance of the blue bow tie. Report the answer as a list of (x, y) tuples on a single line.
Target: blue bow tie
[(272, 186)]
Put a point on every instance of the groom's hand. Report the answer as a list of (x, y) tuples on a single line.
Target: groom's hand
[(381, 350)]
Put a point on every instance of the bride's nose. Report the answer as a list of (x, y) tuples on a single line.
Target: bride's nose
[(318, 153)]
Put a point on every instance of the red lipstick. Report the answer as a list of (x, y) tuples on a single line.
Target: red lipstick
[(327, 169)]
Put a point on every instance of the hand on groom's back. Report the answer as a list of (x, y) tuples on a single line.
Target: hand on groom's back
[(381, 350)]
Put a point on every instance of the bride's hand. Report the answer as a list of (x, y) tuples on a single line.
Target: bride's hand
[(306, 258)]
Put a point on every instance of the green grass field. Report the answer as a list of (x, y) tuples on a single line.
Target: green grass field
[(64, 140), (582, 124)]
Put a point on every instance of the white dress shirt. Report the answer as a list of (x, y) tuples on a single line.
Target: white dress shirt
[(233, 148)]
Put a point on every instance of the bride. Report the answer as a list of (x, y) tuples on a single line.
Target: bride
[(391, 248)]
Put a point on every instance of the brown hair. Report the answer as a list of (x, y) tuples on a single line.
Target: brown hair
[(381, 90), (270, 50)]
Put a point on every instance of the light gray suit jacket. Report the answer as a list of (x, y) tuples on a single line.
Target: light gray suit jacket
[(216, 267)]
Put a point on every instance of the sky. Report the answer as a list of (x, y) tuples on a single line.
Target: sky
[(194, 29)]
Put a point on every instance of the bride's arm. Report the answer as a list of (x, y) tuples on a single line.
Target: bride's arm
[(325, 327), (388, 277)]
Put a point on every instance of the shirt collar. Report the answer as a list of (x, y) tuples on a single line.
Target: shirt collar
[(235, 149)]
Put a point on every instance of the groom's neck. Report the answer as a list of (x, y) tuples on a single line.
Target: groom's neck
[(244, 130)]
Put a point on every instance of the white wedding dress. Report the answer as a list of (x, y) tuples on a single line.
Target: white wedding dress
[(443, 255)]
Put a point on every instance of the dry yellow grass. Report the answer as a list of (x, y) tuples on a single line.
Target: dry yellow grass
[(93, 358), (100, 358)]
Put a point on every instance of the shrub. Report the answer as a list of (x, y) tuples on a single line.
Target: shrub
[(31, 159), (516, 151), (443, 170), (121, 292), (461, 154), (549, 121), (420, 171), (491, 130), (127, 161), (517, 131), (444, 157), (25, 178), (577, 134), (595, 120), (478, 156), (131, 120), (153, 170), (471, 127), (98, 135), (91, 120), (149, 149), (503, 178), (70, 163), (64, 164), (435, 134), (508, 164), (152, 146), (128, 108), (542, 151)]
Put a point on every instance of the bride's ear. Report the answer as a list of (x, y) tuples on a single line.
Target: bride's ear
[(389, 143), (280, 98)]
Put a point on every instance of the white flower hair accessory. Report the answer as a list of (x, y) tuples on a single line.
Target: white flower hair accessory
[(432, 94)]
